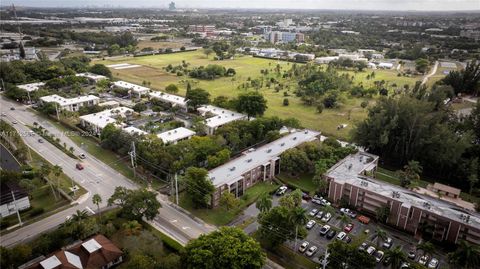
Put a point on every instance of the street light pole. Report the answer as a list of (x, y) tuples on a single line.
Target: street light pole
[(16, 208)]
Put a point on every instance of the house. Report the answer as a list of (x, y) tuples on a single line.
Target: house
[(12, 199), (134, 131), (175, 135), (174, 100), (255, 165), (94, 78), (137, 89), (221, 116), (97, 252), (71, 104), (325, 60), (446, 190), (385, 65), (97, 121), (351, 181), (31, 87)]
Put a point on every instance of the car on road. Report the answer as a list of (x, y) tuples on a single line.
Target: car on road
[(306, 197), (371, 250), (79, 166), (14, 122), (310, 224), (348, 228), (379, 255), (424, 260), (313, 212), (82, 156), (363, 246), (303, 246), (412, 253), (433, 264), (12, 108), (282, 190), (324, 230), (40, 140), (331, 234), (326, 217), (311, 251), (388, 243), (347, 239), (320, 215), (341, 235)]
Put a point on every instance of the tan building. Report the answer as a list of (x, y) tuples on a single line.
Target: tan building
[(351, 180)]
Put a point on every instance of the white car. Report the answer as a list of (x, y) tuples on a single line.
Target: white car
[(311, 251), (324, 230), (341, 235), (282, 190), (310, 224), (388, 243), (317, 199), (303, 246), (424, 260), (370, 250), (320, 215), (433, 264), (379, 255), (327, 217), (313, 212)]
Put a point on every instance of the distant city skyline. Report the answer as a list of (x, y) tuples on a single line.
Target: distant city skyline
[(394, 5)]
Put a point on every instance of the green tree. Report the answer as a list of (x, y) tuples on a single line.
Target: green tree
[(292, 199), (427, 247), (276, 227), (132, 228), (199, 187), (252, 103), (97, 200), (101, 69), (57, 171), (264, 202), (396, 257), (207, 51), (465, 256), (299, 218), (140, 261), (139, 107), (229, 201), (344, 219), (197, 97), (380, 234), (295, 161), (135, 204), (422, 65), (171, 88), (347, 256), (466, 80), (228, 247), (382, 213)]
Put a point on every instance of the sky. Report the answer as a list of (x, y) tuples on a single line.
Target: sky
[(419, 5)]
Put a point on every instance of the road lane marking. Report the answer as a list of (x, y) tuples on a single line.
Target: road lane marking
[(185, 227), (89, 209), (173, 220)]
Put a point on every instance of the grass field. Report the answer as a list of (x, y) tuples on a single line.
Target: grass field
[(349, 113), (303, 181)]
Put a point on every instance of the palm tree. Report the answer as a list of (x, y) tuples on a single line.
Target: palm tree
[(466, 256), (79, 215), (344, 219), (380, 234), (427, 247), (264, 203), (57, 171), (396, 256), (298, 217), (132, 228), (329, 209), (97, 199)]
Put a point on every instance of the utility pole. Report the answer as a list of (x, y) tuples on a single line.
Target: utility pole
[(16, 208), (133, 158), (176, 188)]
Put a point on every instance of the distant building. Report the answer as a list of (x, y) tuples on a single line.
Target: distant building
[(98, 252), (201, 28), (221, 116), (31, 87), (136, 89), (446, 190), (71, 104), (12, 199), (134, 131), (176, 135), (172, 99), (385, 65), (91, 76), (97, 121), (284, 37)]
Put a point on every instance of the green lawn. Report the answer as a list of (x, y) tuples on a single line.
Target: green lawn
[(349, 112), (220, 216), (303, 181)]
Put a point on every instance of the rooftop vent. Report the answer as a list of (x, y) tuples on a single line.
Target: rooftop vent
[(269, 150), (306, 131), (232, 169), (283, 144), (364, 183), (249, 160), (295, 138), (395, 194)]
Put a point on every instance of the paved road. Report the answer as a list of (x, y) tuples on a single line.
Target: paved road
[(97, 177), (434, 70)]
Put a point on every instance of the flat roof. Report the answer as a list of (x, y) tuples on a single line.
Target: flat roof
[(134, 87), (170, 98), (134, 130), (222, 115), (91, 245), (68, 101), (50, 262), (175, 135), (101, 119), (91, 76), (348, 171), (232, 171), (31, 86), (446, 188)]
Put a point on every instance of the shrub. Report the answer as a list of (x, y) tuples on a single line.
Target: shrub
[(364, 104), (286, 102), (36, 212)]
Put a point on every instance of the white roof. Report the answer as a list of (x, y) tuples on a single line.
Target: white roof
[(222, 115), (73, 260), (170, 98), (385, 65), (91, 245), (101, 119), (134, 87), (175, 135), (134, 130), (109, 103), (91, 76), (31, 86), (51, 262), (68, 101), (233, 170)]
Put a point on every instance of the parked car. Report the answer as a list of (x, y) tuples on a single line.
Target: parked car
[(306, 197), (348, 228), (40, 140), (79, 166), (331, 234), (371, 250), (324, 202), (388, 243), (412, 253), (310, 224), (320, 215), (324, 230), (12, 108), (363, 246), (303, 246), (364, 219), (424, 260), (327, 217), (82, 156), (379, 255), (352, 214), (405, 265), (311, 251), (341, 235), (433, 264), (282, 190), (313, 212), (317, 199), (347, 239), (386, 261)]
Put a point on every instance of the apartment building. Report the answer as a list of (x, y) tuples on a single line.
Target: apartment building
[(255, 165), (221, 116), (12, 199), (71, 104), (97, 121), (351, 180), (172, 99), (284, 37), (136, 89), (176, 135)]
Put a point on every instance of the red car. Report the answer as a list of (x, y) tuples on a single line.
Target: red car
[(348, 228), (79, 166)]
